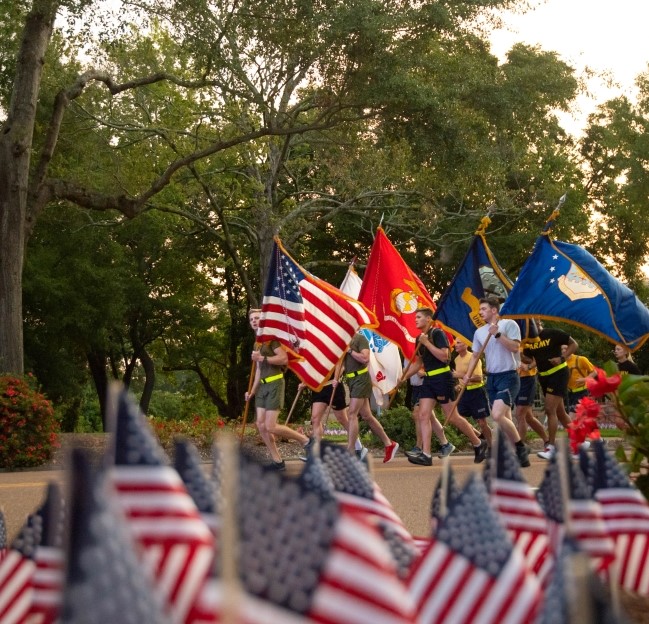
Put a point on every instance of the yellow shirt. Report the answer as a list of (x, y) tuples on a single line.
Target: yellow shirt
[(579, 366), (462, 366), (524, 371)]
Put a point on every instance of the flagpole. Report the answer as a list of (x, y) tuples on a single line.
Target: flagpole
[(245, 411), (469, 373), (297, 396)]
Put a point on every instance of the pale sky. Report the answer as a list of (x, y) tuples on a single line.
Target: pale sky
[(608, 36)]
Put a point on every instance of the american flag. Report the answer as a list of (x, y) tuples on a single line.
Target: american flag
[(313, 320), (518, 508), (354, 487), (471, 572), (575, 594), (586, 522), (178, 546), (17, 573), (302, 551), (48, 575), (626, 514), (105, 580), (187, 463), (452, 490)]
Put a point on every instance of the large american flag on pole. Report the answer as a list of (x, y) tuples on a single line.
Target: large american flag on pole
[(178, 545), (471, 572), (626, 515), (518, 508), (313, 320)]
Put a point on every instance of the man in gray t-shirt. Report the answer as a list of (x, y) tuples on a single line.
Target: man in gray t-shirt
[(500, 340)]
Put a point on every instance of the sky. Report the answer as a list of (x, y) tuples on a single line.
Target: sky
[(608, 36)]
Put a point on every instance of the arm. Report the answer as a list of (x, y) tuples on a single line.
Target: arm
[(255, 384), (363, 356), (511, 344), (572, 347), (279, 357), (412, 368), (441, 353)]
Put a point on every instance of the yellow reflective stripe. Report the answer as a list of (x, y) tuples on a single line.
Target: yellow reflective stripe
[(581, 389), (474, 386), (355, 373), (437, 371), (553, 370), (272, 378)]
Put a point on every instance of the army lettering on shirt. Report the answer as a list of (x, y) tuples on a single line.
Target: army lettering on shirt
[(546, 346)]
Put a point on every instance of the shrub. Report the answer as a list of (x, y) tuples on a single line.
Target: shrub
[(28, 426), (197, 428)]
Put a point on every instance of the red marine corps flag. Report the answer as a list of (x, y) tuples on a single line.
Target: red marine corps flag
[(393, 292)]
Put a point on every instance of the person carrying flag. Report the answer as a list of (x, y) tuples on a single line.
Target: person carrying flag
[(358, 380), (499, 339), (268, 389), (546, 352), (433, 353)]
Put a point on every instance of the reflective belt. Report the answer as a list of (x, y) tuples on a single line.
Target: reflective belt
[(355, 373), (553, 370), (272, 378), (580, 389), (474, 386), (438, 371)]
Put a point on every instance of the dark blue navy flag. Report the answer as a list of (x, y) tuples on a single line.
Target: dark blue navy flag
[(564, 282), (479, 275)]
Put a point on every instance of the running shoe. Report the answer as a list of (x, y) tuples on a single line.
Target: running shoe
[(445, 450), (421, 460), (390, 452)]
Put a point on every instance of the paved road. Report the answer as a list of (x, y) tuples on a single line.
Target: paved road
[(409, 488)]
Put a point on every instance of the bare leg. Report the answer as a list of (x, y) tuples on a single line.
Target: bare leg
[(437, 428), (424, 416), (267, 437), (317, 412), (502, 415), (282, 430), (452, 416), (375, 425), (555, 411), (485, 429)]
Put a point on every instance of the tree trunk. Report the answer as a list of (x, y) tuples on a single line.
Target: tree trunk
[(15, 151), (97, 365), (149, 379)]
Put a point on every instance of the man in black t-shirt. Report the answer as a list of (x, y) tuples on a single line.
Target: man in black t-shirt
[(546, 352)]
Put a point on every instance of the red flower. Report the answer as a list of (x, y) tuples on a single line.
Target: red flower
[(584, 424), (602, 385)]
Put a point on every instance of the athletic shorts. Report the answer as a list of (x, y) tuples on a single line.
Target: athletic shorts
[(527, 393), (557, 383), (474, 404), (439, 387), (503, 387), (415, 395), (324, 396), (270, 396), (360, 387), (572, 398)]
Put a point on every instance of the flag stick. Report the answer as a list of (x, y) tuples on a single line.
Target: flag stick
[(468, 373), (297, 396), (331, 400), (229, 544), (245, 411)]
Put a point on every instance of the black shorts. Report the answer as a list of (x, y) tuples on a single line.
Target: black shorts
[(572, 398), (415, 395), (324, 396), (439, 387), (474, 404), (527, 393), (555, 384)]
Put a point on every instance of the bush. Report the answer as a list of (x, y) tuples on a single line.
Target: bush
[(28, 427), (199, 429)]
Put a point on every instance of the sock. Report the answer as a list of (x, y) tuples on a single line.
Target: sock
[(357, 445), (519, 444), (426, 454)]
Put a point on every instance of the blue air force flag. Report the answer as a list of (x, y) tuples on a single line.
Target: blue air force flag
[(564, 282)]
